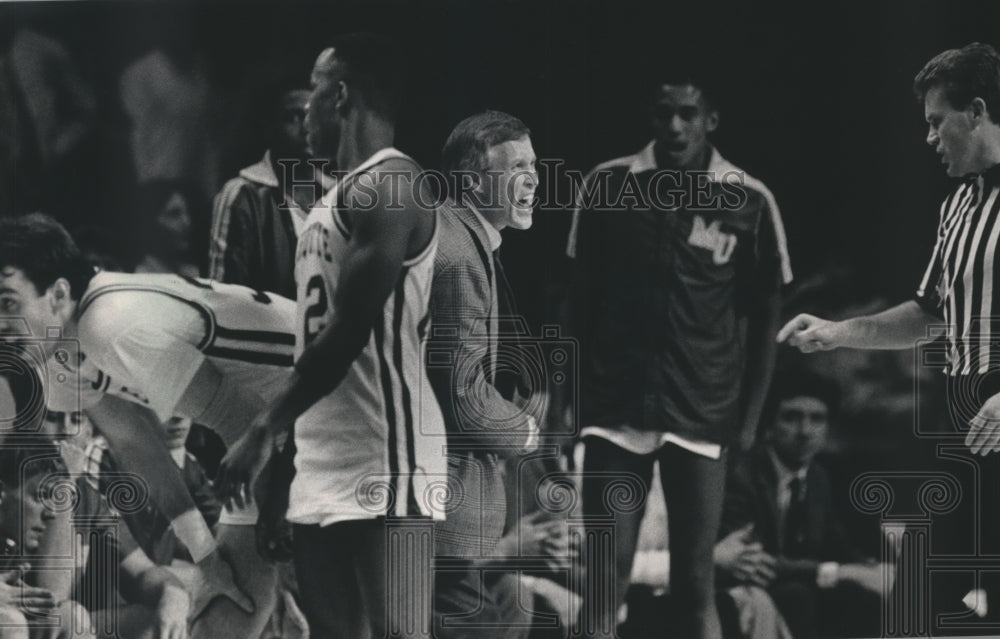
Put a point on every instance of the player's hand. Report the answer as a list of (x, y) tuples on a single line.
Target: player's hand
[(809, 333), (14, 593), (172, 613), (743, 559), (241, 466), (539, 535), (984, 429), (217, 581)]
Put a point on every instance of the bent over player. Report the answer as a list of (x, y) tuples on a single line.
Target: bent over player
[(170, 345)]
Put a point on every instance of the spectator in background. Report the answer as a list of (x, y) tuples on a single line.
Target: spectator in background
[(166, 94), (25, 519), (258, 215), (47, 114), (167, 213), (780, 497), (149, 527)]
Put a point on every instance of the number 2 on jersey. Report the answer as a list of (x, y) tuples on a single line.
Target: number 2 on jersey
[(315, 312)]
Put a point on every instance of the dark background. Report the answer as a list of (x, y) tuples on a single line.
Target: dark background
[(815, 97), (815, 100)]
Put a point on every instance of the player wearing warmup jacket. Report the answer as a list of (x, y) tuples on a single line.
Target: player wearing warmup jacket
[(166, 344), (680, 258), (370, 436)]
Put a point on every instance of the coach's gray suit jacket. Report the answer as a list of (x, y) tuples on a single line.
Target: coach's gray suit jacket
[(480, 423)]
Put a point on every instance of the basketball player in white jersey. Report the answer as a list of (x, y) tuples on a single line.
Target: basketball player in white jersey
[(369, 434), (153, 347)]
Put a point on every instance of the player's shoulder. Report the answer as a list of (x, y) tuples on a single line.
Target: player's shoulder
[(726, 171), (621, 164), (107, 315)]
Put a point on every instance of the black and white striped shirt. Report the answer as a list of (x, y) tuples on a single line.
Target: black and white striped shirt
[(958, 284)]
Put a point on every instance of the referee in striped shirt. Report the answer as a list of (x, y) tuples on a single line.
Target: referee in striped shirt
[(960, 90)]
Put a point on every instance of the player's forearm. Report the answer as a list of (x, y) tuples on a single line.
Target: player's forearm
[(153, 584), (132, 436), (898, 328)]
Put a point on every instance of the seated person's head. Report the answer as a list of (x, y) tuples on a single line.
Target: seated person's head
[(175, 432), (165, 219), (797, 417), (24, 511)]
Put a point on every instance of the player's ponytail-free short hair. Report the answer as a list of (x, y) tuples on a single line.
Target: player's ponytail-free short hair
[(374, 65), (44, 251), (965, 74), (466, 147)]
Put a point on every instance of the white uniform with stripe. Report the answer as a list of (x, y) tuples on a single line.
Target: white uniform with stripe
[(143, 337), (375, 445)]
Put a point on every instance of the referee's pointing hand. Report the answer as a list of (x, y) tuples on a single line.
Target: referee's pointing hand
[(809, 333)]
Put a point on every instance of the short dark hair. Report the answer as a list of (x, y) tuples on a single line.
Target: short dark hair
[(470, 140), (799, 383), (707, 81), (374, 64), (965, 74), (45, 251), (39, 458)]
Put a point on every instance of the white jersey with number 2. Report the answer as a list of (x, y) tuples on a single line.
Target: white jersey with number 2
[(374, 446)]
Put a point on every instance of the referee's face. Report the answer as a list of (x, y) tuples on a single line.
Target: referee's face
[(951, 132)]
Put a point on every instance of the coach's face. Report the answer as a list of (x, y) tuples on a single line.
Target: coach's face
[(26, 312), (952, 132), (681, 123), (799, 430), (508, 188), (322, 116)]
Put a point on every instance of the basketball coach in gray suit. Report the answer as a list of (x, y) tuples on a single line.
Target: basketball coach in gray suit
[(490, 164)]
